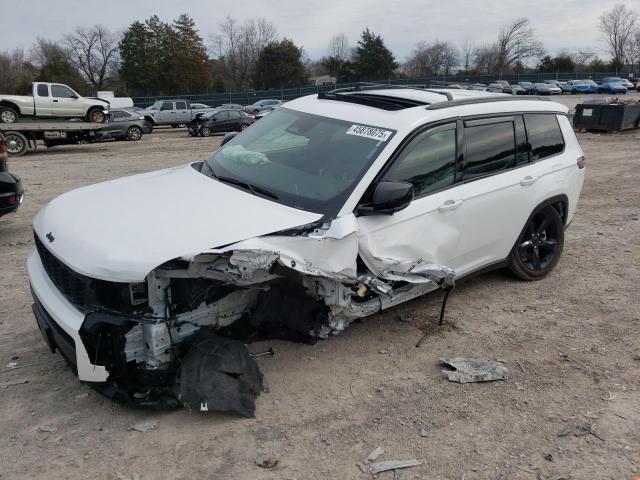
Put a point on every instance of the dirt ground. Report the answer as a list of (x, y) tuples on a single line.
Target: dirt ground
[(570, 343)]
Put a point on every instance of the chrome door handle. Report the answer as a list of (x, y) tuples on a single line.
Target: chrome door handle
[(449, 205), (528, 180)]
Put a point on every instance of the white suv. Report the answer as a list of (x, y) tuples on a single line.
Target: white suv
[(327, 210)]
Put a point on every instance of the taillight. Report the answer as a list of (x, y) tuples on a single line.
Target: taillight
[(581, 161)]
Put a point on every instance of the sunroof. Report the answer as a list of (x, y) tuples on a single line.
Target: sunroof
[(383, 102)]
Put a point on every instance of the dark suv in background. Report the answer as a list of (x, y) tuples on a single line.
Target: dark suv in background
[(11, 194)]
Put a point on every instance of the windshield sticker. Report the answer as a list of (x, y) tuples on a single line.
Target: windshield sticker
[(369, 132)]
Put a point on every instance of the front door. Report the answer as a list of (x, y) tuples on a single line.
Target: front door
[(424, 237), (168, 113), (65, 102)]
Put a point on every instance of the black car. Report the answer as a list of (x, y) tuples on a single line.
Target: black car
[(123, 124), (206, 124), (11, 194)]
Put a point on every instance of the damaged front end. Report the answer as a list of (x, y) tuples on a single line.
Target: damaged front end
[(162, 342)]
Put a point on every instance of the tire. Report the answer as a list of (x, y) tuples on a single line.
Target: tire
[(134, 133), (96, 115), (17, 143), (206, 131), (148, 127), (243, 127), (539, 246), (8, 115), (181, 125)]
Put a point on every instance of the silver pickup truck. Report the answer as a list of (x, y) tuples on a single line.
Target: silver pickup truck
[(176, 113), (52, 100)]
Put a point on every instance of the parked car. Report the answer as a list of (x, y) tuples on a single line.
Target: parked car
[(207, 124), (331, 209), (578, 86), (528, 87), (481, 87), (565, 87), (495, 88), (612, 85), (199, 106), (514, 90), (504, 83), (260, 105), (628, 84), (123, 125), (177, 113), (48, 100), (591, 85), (546, 89), (552, 82), (11, 193), (231, 106)]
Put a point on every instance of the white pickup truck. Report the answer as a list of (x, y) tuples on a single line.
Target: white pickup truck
[(52, 100)]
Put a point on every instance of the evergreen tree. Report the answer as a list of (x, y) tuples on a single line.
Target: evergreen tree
[(372, 60), (136, 67), (280, 66), (191, 68)]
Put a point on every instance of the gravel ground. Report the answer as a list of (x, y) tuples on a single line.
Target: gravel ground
[(570, 343)]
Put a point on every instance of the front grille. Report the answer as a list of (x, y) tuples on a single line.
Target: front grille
[(76, 288), (84, 292)]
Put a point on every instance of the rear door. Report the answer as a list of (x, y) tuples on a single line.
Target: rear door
[(42, 99), (65, 102), (497, 190), (183, 114), (221, 123)]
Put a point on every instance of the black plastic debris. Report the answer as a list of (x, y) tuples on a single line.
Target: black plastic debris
[(218, 374)]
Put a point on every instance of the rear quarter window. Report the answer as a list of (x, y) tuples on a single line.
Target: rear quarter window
[(544, 135)]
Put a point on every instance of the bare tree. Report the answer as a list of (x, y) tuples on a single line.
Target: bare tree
[(486, 58), (437, 58), (339, 47), (93, 52), (15, 71), (616, 26), (238, 47), (517, 44), (582, 58), (467, 53)]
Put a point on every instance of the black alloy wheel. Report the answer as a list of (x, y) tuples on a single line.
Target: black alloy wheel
[(539, 247)]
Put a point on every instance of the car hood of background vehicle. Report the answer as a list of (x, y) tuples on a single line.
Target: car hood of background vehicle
[(122, 229)]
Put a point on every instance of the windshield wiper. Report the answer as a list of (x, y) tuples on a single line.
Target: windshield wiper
[(241, 183)]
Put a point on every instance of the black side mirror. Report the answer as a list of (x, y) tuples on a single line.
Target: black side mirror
[(227, 137), (388, 198)]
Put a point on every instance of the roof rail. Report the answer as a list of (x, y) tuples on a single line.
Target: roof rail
[(362, 86), (471, 101)]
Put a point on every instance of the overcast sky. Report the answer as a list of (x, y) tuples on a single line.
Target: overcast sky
[(560, 24)]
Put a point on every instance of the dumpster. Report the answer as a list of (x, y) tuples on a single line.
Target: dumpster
[(613, 116)]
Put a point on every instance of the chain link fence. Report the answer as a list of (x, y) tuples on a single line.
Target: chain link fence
[(249, 97)]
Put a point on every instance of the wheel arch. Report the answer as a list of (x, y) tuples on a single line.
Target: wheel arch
[(150, 119), (560, 203), (7, 103)]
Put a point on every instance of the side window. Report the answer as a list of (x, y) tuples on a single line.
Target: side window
[(60, 91), (181, 105), (117, 114), (223, 115), (167, 106), (43, 90), (544, 135), (489, 148), (234, 114), (428, 162)]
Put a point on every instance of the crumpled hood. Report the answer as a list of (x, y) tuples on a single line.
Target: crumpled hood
[(122, 229)]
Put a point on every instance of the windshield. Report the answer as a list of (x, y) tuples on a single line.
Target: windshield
[(304, 160)]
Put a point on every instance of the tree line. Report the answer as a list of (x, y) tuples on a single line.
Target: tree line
[(153, 57)]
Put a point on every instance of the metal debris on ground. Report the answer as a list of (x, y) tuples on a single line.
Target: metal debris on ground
[(373, 456), (393, 465), (267, 462), (144, 427), (13, 383), (581, 431), (48, 428), (468, 370)]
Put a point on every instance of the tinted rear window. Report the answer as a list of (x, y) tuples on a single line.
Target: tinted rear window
[(43, 90), (544, 135), (489, 148)]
